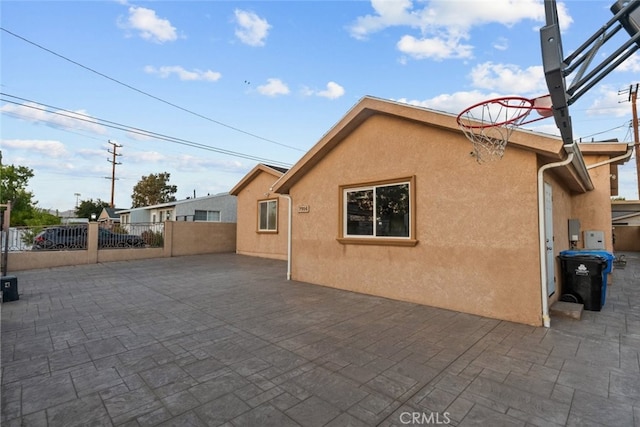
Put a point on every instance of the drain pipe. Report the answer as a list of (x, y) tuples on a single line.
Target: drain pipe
[(290, 217), (615, 159), (569, 148)]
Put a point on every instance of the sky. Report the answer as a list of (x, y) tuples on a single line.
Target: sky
[(205, 90)]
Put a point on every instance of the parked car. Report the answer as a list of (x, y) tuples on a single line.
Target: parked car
[(71, 237), (75, 237), (109, 239)]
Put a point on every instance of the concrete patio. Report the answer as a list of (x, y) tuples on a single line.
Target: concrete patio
[(226, 340)]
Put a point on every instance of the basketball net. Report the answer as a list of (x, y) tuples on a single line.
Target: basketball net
[(489, 124)]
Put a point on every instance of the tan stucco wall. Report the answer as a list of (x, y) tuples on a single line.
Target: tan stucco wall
[(194, 238), (19, 261), (249, 241), (180, 238), (472, 255)]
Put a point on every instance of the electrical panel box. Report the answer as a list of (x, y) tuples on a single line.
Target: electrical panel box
[(574, 230), (594, 239)]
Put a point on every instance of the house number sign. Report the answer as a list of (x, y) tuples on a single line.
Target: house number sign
[(303, 208)]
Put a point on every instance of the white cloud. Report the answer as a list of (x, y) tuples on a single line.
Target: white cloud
[(183, 162), (252, 29), (186, 75), (274, 87), (388, 13), (501, 44), (452, 103), (333, 91), (149, 25), (509, 78), (146, 157), (441, 28), (50, 148), (33, 112), (139, 136), (192, 163), (435, 48), (608, 103), (631, 64), (87, 153)]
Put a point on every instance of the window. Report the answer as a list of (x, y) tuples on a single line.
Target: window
[(378, 213), (268, 215), (212, 216)]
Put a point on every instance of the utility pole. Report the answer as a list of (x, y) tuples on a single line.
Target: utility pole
[(633, 97), (113, 168)]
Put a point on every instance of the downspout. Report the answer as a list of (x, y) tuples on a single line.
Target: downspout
[(615, 159), (290, 215), (569, 148)]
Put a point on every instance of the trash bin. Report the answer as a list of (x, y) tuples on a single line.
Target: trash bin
[(605, 272), (9, 289), (582, 279)]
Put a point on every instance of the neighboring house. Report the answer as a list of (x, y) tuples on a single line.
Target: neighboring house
[(108, 217), (262, 214), (626, 224), (216, 208), (391, 203)]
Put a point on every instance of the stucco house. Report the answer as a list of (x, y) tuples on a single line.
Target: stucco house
[(262, 214), (217, 208), (109, 217), (391, 203)]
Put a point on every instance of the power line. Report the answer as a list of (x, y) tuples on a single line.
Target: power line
[(107, 123), (147, 93), (605, 131)]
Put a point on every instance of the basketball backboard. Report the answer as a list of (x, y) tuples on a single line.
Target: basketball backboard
[(557, 67)]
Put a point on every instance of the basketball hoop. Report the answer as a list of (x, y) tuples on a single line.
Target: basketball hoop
[(489, 124)]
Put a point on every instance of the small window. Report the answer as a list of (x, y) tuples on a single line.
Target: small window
[(211, 216), (380, 212), (268, 215)]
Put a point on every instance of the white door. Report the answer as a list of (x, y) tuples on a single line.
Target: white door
[(548, 235)]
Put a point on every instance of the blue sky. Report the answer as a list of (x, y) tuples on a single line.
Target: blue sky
[(262, 80)]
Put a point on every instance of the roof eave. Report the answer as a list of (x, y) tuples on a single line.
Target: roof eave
[(251, 175)]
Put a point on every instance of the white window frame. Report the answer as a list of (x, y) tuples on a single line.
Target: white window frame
[(266, 203), (346, 238)]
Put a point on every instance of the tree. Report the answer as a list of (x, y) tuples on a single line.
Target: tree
[(42, 217), (13, 187), (152, 190), (88, 207)]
